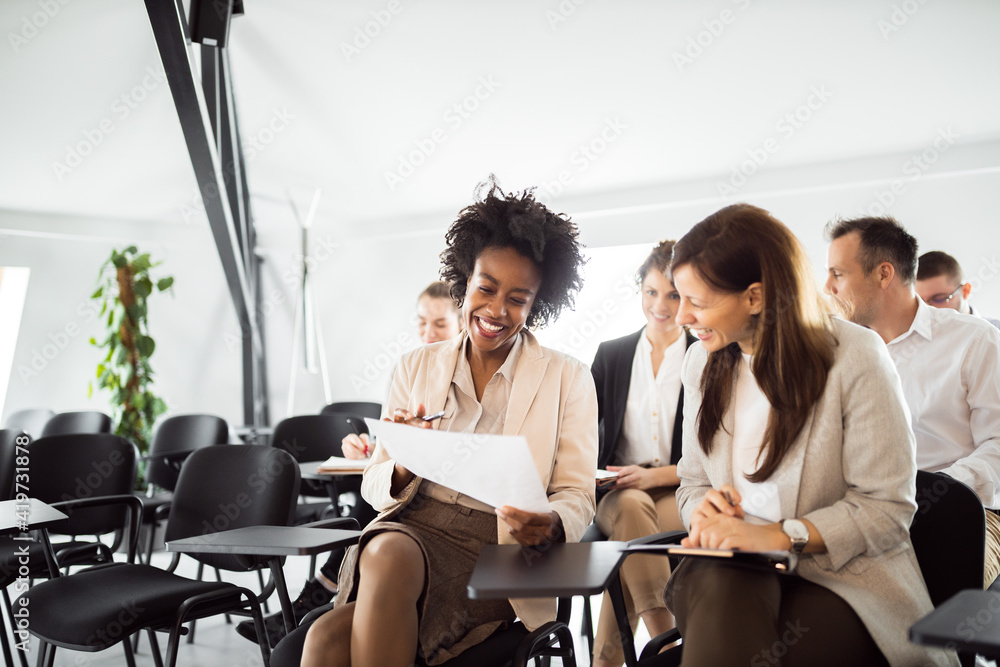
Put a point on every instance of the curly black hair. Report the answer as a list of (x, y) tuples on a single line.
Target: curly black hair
[(518, 221)]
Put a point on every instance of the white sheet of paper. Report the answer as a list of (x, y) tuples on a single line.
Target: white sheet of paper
[(495, 469)]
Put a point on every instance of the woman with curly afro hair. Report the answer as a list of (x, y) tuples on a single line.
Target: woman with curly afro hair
[(512, 264)]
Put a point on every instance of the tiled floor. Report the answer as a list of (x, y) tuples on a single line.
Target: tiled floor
[(217, 644)]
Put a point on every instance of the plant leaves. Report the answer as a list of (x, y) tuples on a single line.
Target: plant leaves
[(145, 345), (98, 293), (141, 262), (143, 287), (134, 312), (164, 283), (131, 250), (118, 260)]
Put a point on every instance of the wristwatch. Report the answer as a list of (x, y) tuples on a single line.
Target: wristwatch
[(797, 532)]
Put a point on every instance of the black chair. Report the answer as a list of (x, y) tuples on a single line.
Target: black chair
[(66, 468), (173, 441), (510, 647), (949, 540), (32, 421), (355, 408), (259, 487), (316, 438), (592, 534), (66, 423)]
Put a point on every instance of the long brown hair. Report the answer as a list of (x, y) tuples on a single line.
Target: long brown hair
[(793, 339)]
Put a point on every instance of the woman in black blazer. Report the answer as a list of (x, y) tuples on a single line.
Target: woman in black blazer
[(640, 402)]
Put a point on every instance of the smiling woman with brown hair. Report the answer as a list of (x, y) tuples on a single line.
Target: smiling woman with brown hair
[(512, 264), (798, 419)]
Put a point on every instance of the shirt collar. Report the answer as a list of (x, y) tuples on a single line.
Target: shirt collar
[(922, 322), (506, 370)]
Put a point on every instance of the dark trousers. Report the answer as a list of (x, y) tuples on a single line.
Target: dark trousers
[(729, 615)]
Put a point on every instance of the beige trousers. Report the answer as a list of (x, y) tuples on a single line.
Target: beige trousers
[(625, 515)]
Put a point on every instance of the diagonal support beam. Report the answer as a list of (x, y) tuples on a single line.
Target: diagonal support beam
[(210, 133)]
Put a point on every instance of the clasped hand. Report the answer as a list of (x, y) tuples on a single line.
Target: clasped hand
[(718, 524)]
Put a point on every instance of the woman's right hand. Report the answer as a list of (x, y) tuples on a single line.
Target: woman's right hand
[(356, 446), (716, 501)]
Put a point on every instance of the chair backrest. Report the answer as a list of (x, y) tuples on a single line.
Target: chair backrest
[(66, 423), (182, 433), (949, 535), (32, 421), (221, 488), (9, 441), (355, 408), (313, 438), (83, 465)]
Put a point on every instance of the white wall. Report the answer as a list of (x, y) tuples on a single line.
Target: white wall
[(368, 275)]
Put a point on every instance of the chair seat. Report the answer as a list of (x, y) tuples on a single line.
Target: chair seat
[(119, 598), (308, 512), (593, 534)]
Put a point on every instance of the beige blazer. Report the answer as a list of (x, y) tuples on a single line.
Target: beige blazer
[(553, 404), (851, 472)]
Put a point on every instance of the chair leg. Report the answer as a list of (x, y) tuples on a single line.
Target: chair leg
[(154, 647), (260, 579), (22, 655), (129, 656), (588, 626)]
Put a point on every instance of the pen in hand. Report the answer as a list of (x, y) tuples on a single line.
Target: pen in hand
[(436, 415), (729, 499)]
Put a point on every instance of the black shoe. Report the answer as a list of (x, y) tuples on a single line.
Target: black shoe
[(313, 595)]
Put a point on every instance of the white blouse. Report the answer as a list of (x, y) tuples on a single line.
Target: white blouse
[(648, 427), (752, 410)]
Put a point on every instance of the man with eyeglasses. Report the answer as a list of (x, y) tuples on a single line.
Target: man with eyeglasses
[(948, 363), (939, 284)]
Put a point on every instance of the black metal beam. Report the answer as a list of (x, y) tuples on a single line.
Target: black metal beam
[(212, 140)]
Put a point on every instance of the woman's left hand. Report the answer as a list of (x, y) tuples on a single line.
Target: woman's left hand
[(632, 477), (530, 529), (721, 531)]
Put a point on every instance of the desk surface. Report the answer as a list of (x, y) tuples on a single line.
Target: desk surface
[(267, 541), (17, 515), (579, 568), (968, 621)]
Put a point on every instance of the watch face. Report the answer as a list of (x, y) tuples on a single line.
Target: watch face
[(795, 529)]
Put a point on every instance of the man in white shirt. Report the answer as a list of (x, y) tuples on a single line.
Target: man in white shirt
[(949, 363), (939, 284)]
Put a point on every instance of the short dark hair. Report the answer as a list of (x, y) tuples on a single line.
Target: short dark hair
[(518, 221), (659, 259), (882, 240), (936, 263)]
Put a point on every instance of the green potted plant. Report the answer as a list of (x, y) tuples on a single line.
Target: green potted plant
[(124, 285)]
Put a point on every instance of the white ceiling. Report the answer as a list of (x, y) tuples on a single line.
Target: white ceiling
[(893, 80)]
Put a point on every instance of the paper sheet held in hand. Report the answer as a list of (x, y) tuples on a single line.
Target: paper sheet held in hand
[(495, 469)]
